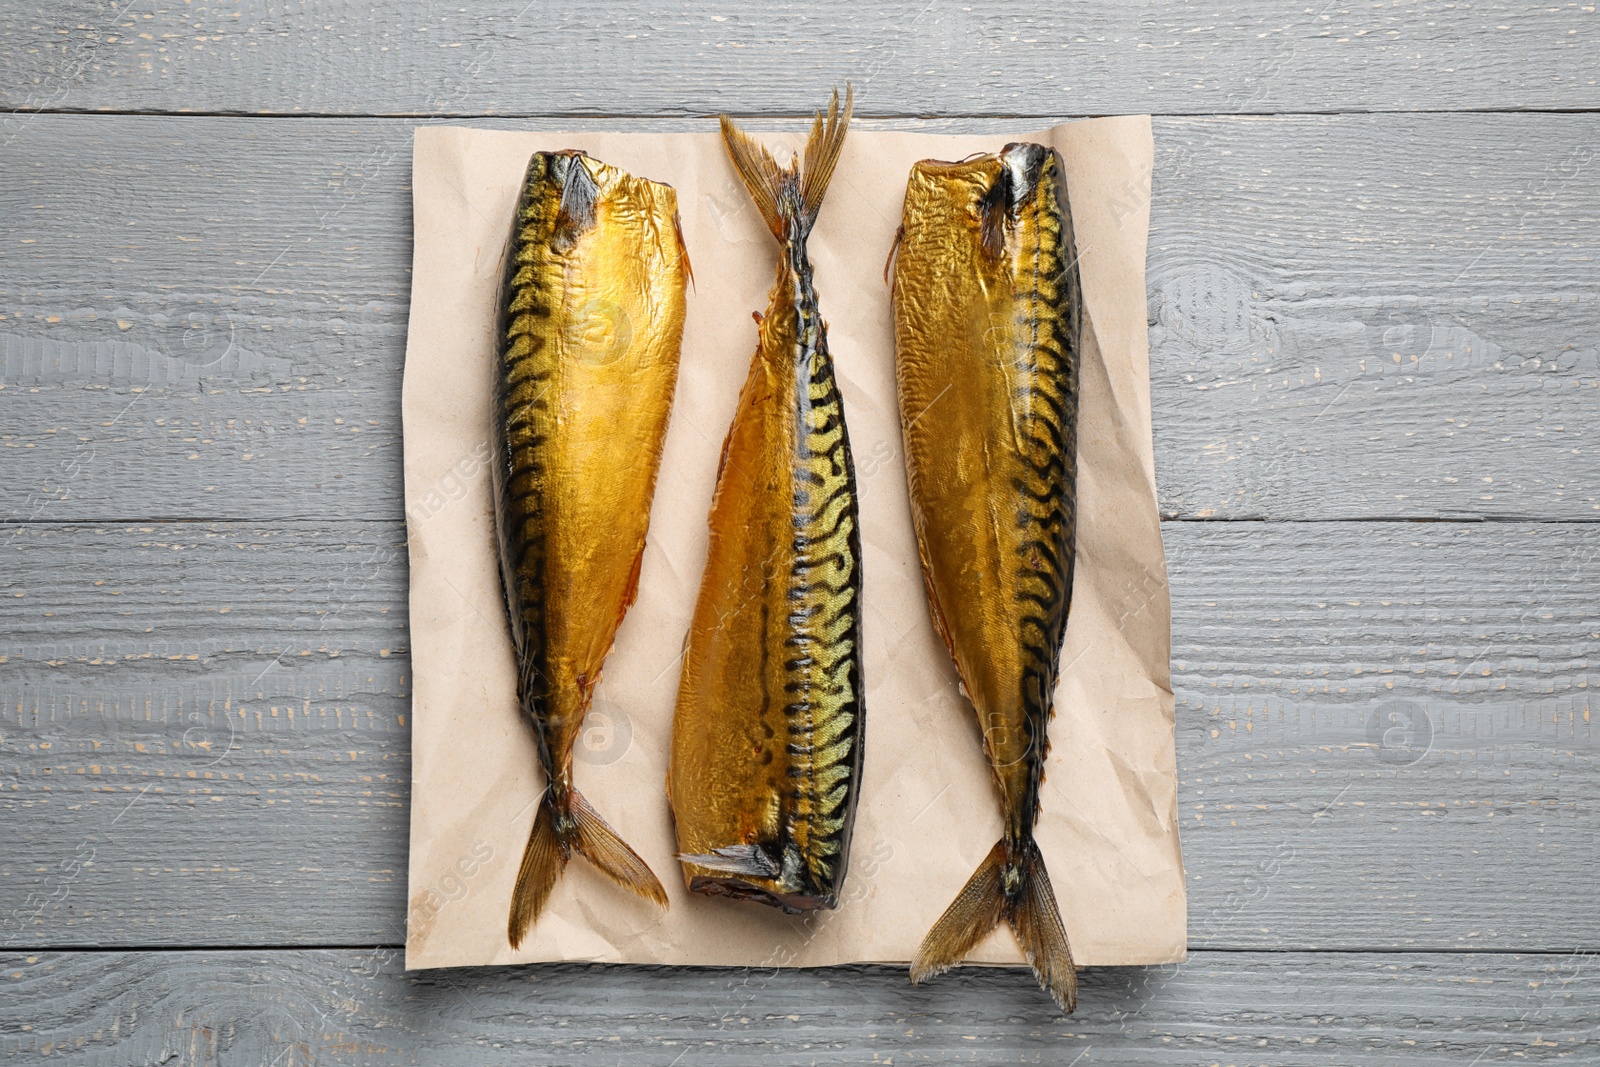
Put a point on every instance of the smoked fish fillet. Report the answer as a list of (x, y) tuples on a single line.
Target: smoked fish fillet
[(590, 324), (987, 312), (767, 733)]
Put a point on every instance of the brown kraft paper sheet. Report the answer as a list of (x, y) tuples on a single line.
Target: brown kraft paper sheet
[(929, 809)]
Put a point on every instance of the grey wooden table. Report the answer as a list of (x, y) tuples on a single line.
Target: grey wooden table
[(1374, 290)]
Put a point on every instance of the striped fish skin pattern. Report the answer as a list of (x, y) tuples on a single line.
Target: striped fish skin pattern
[(767, 737), (988, 311), (589, 330)]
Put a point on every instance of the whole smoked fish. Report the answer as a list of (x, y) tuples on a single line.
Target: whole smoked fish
[(766, 740), (987, 309), (591, 319)]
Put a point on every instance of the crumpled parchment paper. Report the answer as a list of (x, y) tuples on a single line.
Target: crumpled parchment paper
[(929, 811)]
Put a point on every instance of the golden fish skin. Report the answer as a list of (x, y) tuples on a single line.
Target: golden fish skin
[(591, 320), (987, 309), (766, 742)]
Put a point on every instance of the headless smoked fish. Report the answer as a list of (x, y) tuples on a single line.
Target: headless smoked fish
[(766, 740), (987, 309), (591, 318)]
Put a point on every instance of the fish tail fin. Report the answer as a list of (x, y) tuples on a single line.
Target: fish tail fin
[(822, 152), (977, 909), (543, 861), (791, 194), (552, 841), (598, 843), (763, 178), (1030, 910), (1036, 921)]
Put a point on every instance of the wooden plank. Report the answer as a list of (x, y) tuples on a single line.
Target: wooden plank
[(202, 723), (205, 318), (358, 1007), (186, 326), (912, 57), (1376, 317), (1383, 729)]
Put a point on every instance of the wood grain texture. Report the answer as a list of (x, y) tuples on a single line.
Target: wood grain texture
[(1351, 317), (624, 57), (191, 711), (181, 348), (1376, 316), (1384, 733), (358, 1007), (1383, 729)]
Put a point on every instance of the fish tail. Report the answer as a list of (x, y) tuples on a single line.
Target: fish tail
[(543, 861), (792, 195), (822, 151), (598, 843), (762, 177), (1036, 921), (977, 909), (1021, 895), (551, 843)]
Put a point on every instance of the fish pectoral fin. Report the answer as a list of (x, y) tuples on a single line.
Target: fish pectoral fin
[(735, 859), (888, 264), (683, 249), (579, 193)]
